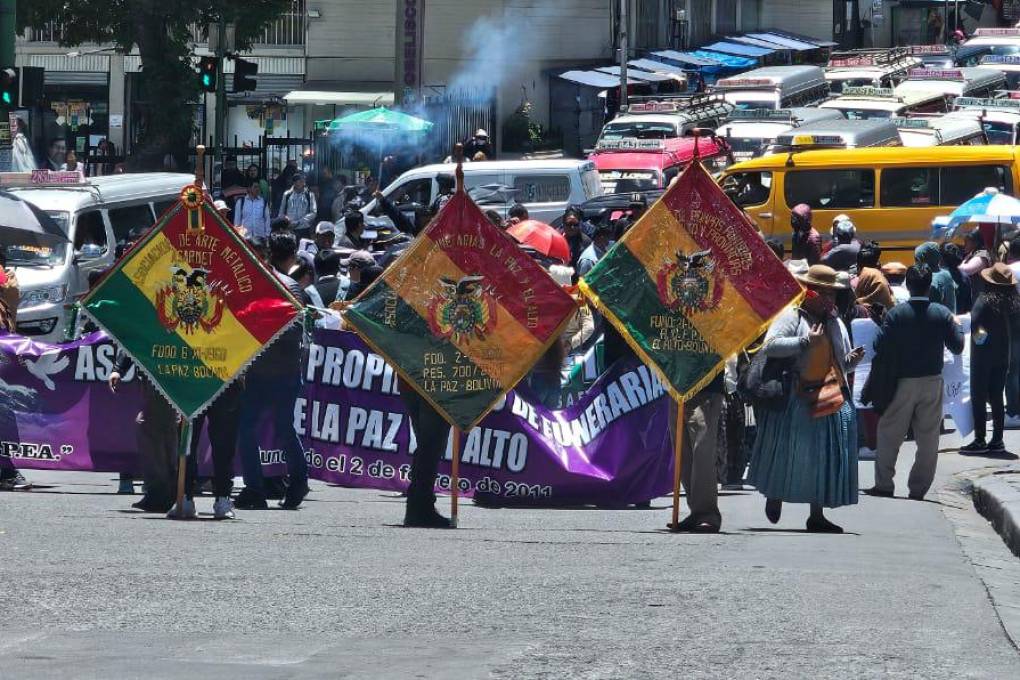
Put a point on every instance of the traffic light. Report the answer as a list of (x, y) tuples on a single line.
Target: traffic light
[(10, 88), (244, 75), (207, 70)]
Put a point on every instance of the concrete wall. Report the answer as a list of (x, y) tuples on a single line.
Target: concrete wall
[(352, 41)]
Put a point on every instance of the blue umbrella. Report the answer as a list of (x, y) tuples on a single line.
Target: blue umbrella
[(988, 207)]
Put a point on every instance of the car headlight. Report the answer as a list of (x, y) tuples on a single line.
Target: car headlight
[(39, 296)]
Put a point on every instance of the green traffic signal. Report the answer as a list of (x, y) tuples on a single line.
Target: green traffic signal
[(7, 98), (208, 69)]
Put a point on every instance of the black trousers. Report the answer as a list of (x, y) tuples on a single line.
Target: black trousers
[(987, 386), (431, 432), (223, 418)]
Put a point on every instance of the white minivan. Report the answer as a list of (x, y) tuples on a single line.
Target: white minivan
[(97, 214), (545, 187)]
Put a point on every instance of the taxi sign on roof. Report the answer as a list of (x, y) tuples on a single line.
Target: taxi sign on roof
[(745, 82), (997, 32), (978, 102), (41, 178), (935, 74), (630, 144), (809, 140), (761, 114), (848, 62), (868, 91), (1007, 59), (910, 123), (918, 50)]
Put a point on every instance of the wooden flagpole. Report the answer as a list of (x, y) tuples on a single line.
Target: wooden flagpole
[(678, 447), (458, 157), (455, 476), (184, 446)]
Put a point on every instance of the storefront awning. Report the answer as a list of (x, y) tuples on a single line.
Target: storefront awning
[(685, 58), (739, 50), (727, 59), (792, 41), (637, 74), (657, 66), (339, 98)]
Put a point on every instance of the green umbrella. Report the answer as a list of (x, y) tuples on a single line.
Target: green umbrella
[(379, 122), (381, 119)]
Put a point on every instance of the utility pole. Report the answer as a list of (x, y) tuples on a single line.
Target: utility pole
[(624, 50), (221, 92), (8, 14)]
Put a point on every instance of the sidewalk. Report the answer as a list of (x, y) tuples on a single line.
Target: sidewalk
[(997, 497)]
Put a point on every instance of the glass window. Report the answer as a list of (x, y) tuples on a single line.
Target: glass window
[(414, 191), (90, 230), (542, 188), (910, 187), (964, 182), (162, 205), (748, 188), (592, 183), (129, 217), (640, 130), (831, 189)]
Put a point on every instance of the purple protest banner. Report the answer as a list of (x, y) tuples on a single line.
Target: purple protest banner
[(610, 447)]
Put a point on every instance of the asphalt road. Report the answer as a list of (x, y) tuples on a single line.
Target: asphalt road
[(338, 590)]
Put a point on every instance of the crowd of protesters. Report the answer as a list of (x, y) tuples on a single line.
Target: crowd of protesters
[(781, 418)]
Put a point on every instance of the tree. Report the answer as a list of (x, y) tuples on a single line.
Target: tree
[(161, 30)]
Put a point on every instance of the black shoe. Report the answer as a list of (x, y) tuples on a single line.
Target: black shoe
[(425, 518), (149, 504), (916, 496), (694, 525), (643, 505), (276, 488), (293, 498), (249, 500), (820, 525), (773, 509), (15, 482), (996, 446), (976, 447), (881, 493)]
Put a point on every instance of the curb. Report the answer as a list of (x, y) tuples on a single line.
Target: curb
[(998, 500)]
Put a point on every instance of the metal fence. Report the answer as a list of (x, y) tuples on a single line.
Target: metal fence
[(455, 118)]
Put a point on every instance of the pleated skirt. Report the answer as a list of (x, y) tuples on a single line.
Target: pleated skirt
[(800, 459)]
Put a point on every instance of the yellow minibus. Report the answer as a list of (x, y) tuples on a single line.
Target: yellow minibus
[(892, 194)]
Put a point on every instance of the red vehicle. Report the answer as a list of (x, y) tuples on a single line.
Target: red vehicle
[(631, 164)]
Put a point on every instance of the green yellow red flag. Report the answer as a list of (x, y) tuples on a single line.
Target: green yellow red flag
[(191, 304), (690, 284), (463, 314)]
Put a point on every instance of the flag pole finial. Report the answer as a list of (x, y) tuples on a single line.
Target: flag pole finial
[(458, 158)]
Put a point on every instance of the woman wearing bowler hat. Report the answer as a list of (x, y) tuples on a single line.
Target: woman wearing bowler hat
[(806, 448)]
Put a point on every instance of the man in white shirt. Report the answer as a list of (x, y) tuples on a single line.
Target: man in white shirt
[(298, 205), (252, 213)]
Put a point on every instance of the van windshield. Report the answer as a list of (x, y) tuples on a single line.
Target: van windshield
[(40, 256), (628, 181), (748, 147), (997, 132), (640, 130)]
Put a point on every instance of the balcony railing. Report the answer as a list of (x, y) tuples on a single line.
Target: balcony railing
[(287, 30)]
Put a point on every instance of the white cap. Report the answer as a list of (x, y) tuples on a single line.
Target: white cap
[(220, 204), (480, 132), (325, 227)]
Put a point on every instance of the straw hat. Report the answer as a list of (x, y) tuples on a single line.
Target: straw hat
[(999, 274), (894, 269), (821, 276)]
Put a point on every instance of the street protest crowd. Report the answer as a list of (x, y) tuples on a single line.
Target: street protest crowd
[(780, 418)]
